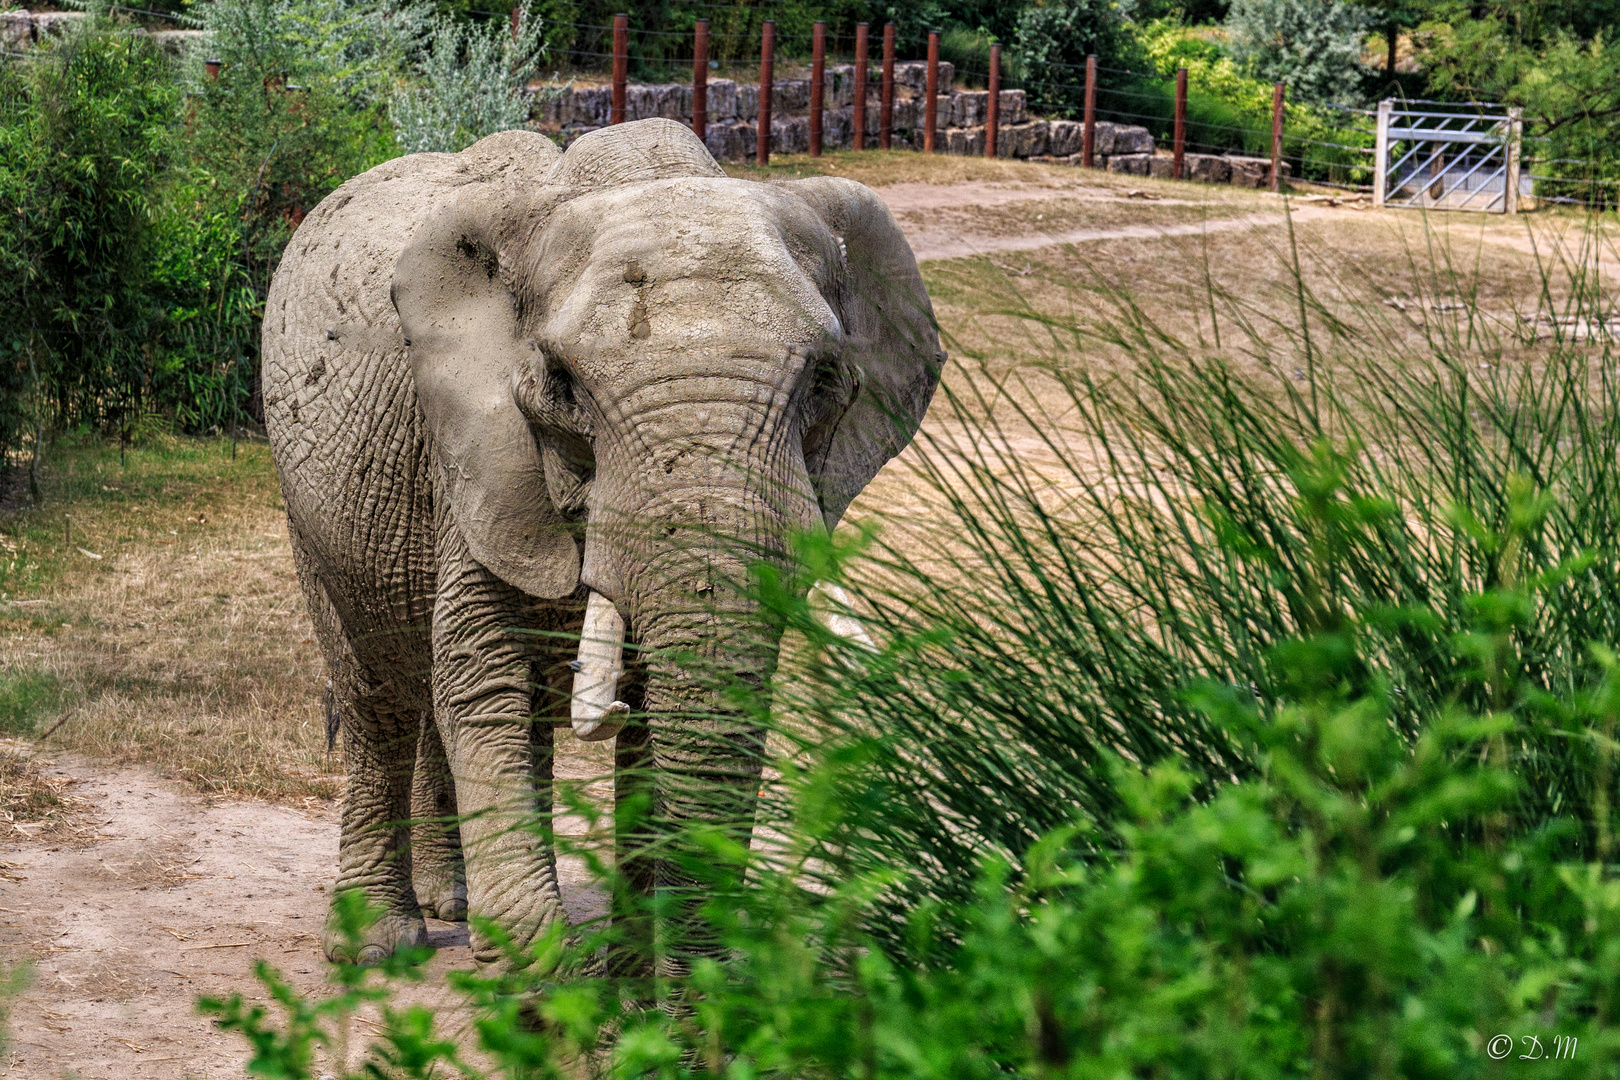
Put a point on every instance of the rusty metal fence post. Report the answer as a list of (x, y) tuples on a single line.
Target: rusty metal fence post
[(931, 93), (1088, 136), (1274, 181), (818, 76), (886, 112), (858, 136), (992, 106), (700, 79), (1178, 162), (767, 78), (621, 66)]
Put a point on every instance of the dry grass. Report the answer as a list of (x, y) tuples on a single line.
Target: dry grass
[(36, 805), (185, 646), (1398, 271)]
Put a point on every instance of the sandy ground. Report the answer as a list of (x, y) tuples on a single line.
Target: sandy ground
[(161, 894), (935, 222)]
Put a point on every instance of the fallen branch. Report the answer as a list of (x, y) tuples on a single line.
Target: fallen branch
[(70, 714), (227, 945)]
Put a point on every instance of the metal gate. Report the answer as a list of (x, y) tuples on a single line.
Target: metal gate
[(1439, 156)]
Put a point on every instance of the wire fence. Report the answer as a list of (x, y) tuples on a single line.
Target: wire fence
[(1328, 143)]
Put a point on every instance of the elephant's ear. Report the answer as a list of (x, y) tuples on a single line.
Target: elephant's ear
[(890, 338), (461, 325)]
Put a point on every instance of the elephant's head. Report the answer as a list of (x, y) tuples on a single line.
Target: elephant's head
[(692, 366)]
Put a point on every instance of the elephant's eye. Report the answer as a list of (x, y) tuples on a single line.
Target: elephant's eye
[(832, 387), (550, 401)]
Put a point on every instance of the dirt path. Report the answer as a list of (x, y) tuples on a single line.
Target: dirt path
[(939, 220), (173, 896), (159, 896)]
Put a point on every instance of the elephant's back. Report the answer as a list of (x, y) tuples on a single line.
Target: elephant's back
[(340, 407)]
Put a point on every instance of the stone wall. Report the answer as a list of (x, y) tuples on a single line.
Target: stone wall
[(569, 110), (20, 28), (1250, 172)]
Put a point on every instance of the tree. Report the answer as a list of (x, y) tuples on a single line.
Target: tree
[(1054, 39), (85, 132), (1568, 87), (1312, 46)]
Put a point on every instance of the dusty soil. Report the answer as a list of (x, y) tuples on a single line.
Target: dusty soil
[(981, 218), (157, 895), (150, 890)]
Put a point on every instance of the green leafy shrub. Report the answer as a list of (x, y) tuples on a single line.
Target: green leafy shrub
[(471, 84), (1229, 108), (1349, 909), (86, 132), (153, 201), (1054, 39), (1312, 47), (1563, 78), (297, 109)]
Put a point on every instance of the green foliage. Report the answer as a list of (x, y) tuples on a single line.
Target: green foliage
[(1228, 109), (85, 129), (969, 51), (25, 697), (1325, 916), (205, 360), (152, 203), (471, 78), (1311, 46), (287, 1052), (297, 109), (1567, 85), (1054, 39)]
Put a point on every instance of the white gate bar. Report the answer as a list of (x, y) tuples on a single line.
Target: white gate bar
[(1381, 153)]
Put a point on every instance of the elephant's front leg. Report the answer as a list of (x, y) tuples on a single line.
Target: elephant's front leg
[(483, 698)]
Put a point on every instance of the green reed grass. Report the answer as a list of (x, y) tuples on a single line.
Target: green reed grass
[(1107, 534)]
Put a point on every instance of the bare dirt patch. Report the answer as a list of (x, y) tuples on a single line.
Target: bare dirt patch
[(165, 895)]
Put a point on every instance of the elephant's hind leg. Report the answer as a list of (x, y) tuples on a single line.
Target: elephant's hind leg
[(437, 867), (380, 738), (379, 728)]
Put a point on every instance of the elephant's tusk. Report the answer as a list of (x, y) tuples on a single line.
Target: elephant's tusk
[(830, 605), (597, 715)]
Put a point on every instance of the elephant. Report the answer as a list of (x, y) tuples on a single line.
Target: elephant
[(517, 397)]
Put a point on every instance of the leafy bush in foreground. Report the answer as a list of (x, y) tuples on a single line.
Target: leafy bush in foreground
[(1321, 918)]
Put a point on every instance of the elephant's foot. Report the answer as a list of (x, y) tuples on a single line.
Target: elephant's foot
[(383, 938), (445, 900)]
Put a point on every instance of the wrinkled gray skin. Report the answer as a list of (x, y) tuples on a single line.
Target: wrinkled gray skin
[(497, 379)]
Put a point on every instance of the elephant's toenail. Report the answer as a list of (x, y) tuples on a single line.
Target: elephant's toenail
[(453, 910), (372, 955)]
